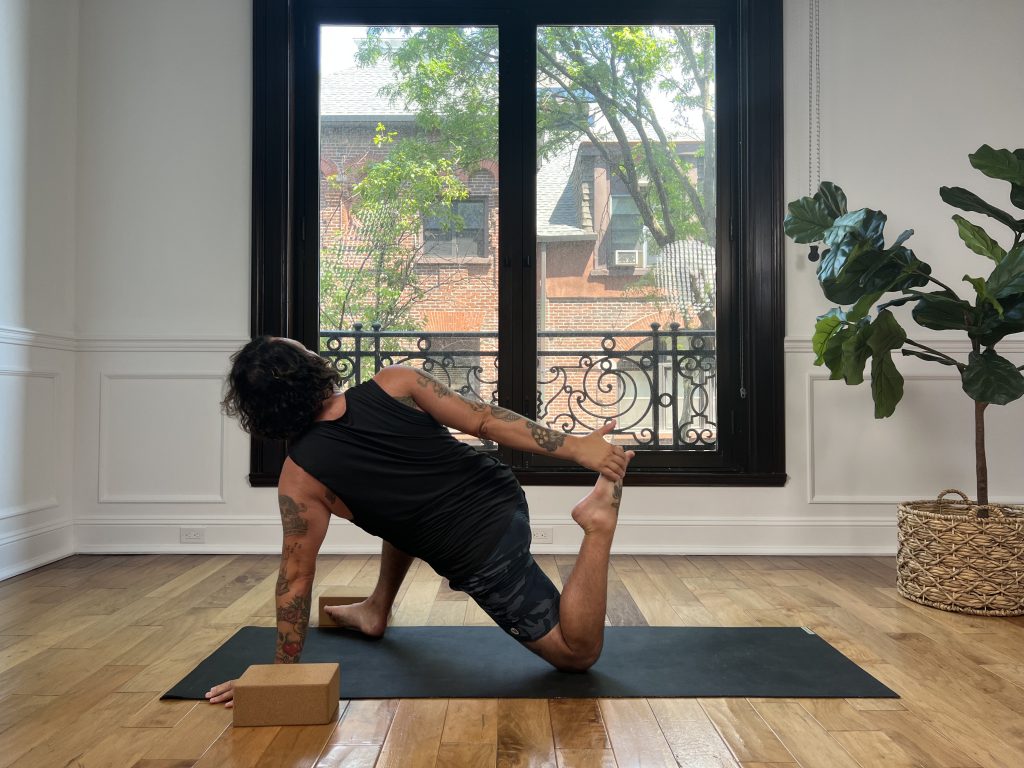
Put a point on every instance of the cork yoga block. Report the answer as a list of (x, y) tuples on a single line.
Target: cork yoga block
[(338, 596), (287, 694)]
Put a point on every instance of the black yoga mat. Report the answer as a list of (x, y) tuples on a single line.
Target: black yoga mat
[(484, 662)]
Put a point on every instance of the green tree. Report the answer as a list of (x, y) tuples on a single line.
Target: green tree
[(594, 83), (367, 268)]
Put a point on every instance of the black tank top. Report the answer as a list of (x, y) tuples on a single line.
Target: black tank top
[(408, 481)]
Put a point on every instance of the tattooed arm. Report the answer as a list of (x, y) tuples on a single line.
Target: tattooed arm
[(304, 521), (502, 425)]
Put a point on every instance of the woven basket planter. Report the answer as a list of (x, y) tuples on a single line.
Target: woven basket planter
[(962, 557)]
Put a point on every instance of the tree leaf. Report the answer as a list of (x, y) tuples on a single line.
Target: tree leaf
[(991, 378), (904, 236), (832, 197), (942, 311), (926, 356), (1017, 195), (960, 198), (824, 329), (977, 239), (856, 353), (807, 220), (886, 333), (1008, 276), (863, 306), (984, 297), (998, 164), (886, 385), (832, 354), (993, 329), (864, 224)]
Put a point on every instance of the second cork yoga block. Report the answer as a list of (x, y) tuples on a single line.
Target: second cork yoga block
[(338, 596), (287, 694)]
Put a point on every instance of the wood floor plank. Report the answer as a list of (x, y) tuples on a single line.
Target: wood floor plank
[(974, 731), (524, 734), (365, 722), (348, 756), (749, 737), (875, 748), (691, 735), (161, 714), (296, 746), (117, 748), (473, 721), (467, 755), (637, 739), (586, 758), (808, 742), (191, 736), (415, 734), (577, 724), (238, 747), (919, 739)]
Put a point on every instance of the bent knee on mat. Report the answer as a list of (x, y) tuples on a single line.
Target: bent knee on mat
[(554, 649)]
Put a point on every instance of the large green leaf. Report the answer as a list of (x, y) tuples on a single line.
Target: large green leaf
[(886, 333), (864, 224), (942, 311), (977, 239), (1017, 194), (991, 378), (960, 198), (992, 328), (984, 297), (1008, 276), (998, 164), (826, 327), (832, 197), (832, 355), (856, 352), (886, 385), (807, 220)]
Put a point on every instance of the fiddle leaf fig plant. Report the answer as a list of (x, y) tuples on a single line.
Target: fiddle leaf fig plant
[(866, 278)]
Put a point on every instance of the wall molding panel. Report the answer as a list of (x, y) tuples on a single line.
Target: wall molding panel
[(106, 495), (49, 497)]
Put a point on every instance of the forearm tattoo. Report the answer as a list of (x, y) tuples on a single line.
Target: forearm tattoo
[(617, 496), (442, 390), (291, 517), (547, 439)]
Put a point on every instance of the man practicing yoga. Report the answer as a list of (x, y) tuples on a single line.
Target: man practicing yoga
[(380, 455)]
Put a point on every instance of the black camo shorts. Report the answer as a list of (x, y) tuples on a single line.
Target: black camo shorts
[(511, 588)]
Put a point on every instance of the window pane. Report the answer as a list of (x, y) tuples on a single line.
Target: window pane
[(408, 193), (626, 232)]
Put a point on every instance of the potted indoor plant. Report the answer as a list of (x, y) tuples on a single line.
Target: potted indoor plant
[(959, 556)]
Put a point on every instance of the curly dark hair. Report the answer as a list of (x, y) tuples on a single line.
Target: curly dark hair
[(276, 389)]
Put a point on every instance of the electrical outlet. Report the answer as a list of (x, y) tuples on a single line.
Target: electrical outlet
[(192, 535), (543, 535)]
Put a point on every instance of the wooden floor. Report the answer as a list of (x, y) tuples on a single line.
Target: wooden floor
[(88, 644)]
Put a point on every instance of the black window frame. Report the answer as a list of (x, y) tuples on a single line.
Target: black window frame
[(284, 290)]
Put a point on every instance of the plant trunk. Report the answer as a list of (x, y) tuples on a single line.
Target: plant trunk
[(979, 451)]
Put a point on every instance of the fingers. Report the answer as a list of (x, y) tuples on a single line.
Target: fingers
[(224, 692)]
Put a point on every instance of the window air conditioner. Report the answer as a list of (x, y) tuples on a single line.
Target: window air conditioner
[(627, 258)]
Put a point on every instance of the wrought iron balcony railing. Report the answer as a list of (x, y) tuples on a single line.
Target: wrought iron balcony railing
[(660, 385)]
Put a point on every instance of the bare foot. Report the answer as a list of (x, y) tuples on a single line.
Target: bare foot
[(598, 511), (360, 617)]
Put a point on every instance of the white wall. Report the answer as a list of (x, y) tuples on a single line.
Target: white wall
[(162, 240), (38, 59)]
